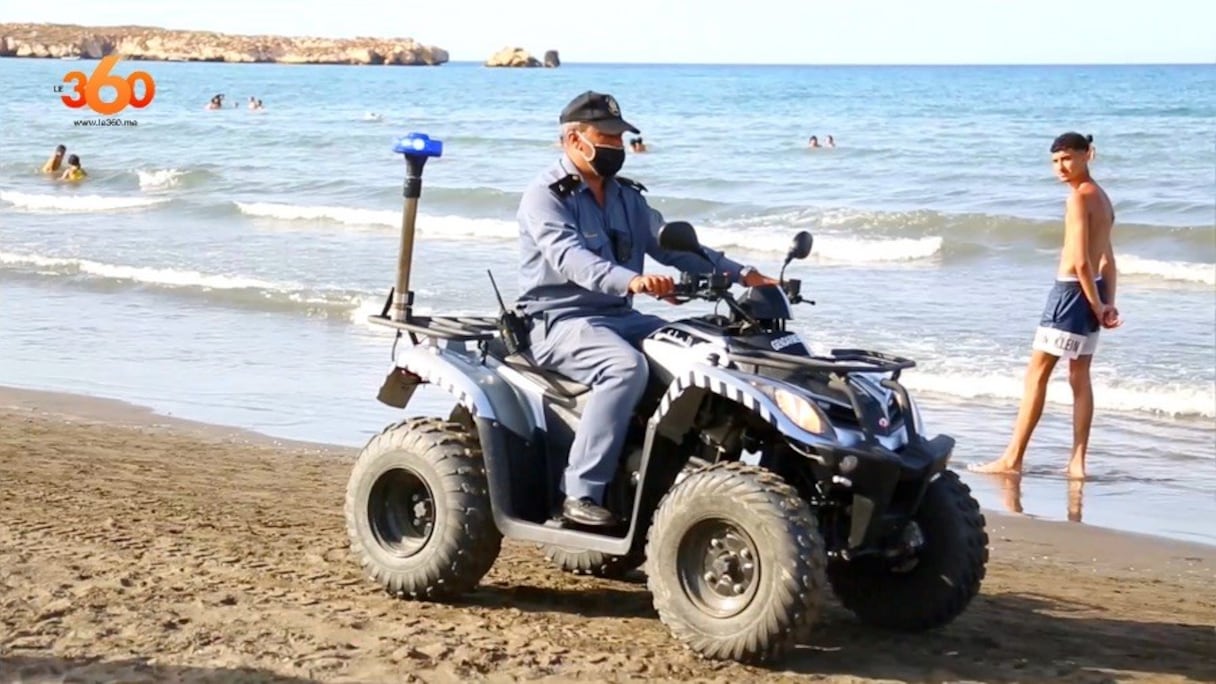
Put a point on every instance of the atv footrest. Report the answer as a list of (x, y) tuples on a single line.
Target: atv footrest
[(616, 531)]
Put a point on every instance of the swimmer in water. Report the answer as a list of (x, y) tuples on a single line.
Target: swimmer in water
[(52, 165), (813, 142), (637, 144), (831, 141), (73, 172)]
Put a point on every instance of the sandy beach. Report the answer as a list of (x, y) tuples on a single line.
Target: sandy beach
[(139, 548)]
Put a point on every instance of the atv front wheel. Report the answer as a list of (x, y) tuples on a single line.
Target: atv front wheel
[(932, 584), (735, 563), (417, 510)]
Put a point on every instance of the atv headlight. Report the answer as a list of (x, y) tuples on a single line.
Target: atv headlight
[(802, 411)]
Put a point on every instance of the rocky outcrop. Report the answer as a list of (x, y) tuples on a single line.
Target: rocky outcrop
[(512, 57), (148, 43), (519, 57)]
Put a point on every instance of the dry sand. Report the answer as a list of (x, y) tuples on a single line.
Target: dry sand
[(135, 548)]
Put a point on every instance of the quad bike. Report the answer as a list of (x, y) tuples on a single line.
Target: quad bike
[(756, 474)]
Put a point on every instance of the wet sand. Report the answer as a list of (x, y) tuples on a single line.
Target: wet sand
[(138, 548)]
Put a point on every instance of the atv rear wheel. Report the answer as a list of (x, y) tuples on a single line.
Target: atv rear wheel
[(593, 563), (735, 563), (932, 585), (417, 511)]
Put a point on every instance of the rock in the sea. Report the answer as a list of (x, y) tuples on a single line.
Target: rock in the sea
[(512, 57), (551, 59), (149, 43)]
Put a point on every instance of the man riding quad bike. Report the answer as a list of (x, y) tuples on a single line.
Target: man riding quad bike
[(744, 472)]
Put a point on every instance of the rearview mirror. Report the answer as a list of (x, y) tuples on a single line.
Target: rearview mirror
[(801, 248), (679, 236)]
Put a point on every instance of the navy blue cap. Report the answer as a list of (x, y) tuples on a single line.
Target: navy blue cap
[(599, 110)]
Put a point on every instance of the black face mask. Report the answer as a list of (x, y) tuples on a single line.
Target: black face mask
[(607, 160)]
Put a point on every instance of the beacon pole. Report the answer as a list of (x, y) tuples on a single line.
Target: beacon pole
[(417, 148)]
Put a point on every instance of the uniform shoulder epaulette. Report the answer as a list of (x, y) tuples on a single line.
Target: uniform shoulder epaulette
[(631, 183), (562, 187)]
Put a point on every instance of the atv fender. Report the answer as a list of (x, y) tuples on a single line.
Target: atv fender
[(679, 405), (677, 411), (472, 385)]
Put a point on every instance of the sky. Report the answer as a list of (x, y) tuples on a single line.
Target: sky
[(707, 31)]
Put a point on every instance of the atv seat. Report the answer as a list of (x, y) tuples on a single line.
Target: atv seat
[(556, 385)]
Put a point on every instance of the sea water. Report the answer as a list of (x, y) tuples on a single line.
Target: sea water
[(220, 265)]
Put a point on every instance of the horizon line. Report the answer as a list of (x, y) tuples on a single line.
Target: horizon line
[(853, 64)]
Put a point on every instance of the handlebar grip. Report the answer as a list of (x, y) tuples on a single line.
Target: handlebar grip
[(701, 286), (684, 290)]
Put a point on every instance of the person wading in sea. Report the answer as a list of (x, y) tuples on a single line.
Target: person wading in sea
[(1080, 304)]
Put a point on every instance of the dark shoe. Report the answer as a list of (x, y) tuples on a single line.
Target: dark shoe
[(585, 512)]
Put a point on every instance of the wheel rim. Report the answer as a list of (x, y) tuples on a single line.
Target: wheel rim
[(911, 546), (719, 567), (401, 511)]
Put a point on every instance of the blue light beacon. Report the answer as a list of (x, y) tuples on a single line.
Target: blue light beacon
[(417, 148)]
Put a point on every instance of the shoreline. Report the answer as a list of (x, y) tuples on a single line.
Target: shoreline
[(83, 408), (137, 547)]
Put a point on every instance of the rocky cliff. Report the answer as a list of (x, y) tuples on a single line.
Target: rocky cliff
[(148, 43), (519, 57)]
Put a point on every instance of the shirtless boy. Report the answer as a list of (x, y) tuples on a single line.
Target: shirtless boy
[(1081, 302)]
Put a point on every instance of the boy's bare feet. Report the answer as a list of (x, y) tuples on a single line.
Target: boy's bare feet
[(1000, 466), (1076, 468)]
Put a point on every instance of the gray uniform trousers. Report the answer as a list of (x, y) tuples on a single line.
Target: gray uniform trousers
[(600, 350)]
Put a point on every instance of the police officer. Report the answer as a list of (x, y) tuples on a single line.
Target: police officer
[(584, 235)]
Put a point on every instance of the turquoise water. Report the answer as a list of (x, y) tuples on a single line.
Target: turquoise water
[(218, 264)]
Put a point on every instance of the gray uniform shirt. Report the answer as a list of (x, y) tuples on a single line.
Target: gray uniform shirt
[(578, 257)]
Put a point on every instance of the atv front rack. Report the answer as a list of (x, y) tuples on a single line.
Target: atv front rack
[(454, 328), (838, 362)]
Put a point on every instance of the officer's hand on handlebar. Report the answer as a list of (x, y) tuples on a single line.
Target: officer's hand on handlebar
[(655, 285)]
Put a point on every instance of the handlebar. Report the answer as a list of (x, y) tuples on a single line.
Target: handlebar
[(716, 286), (793, 290), (700, 286)]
